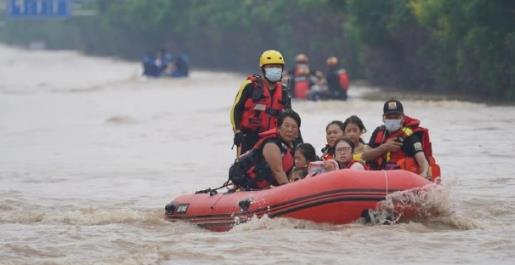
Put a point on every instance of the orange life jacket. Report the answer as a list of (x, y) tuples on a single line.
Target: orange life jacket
[(301, 89), (261, 110), (301, 82), (251, 171), (398, 159), (343, 77)]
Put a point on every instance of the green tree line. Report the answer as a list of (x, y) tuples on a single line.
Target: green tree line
[(459, 46)]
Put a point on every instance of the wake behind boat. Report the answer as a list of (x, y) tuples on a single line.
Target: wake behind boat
[(337, 197)]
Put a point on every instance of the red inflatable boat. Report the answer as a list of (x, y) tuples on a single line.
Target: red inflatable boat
[(336, 197)]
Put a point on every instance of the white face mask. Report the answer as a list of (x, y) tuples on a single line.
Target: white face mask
[(392, 125), (273, 74)]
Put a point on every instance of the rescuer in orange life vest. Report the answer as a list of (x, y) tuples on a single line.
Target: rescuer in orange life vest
[(337, 79), (401, 144), (300, 77), (259, 101)]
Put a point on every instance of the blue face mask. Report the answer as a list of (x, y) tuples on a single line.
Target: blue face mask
[(392, 125), (273, 74)]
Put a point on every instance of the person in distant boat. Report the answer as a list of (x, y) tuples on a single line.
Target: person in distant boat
[(157, 64), (398, 143), (353, 129), (163, 59), (300, 77), (271, 160), (337, 79), (319, 89), (334, 131), (304, 154), (150, 68), (181, 67), (259, 101)]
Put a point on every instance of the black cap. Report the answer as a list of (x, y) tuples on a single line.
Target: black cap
[(393, 106)]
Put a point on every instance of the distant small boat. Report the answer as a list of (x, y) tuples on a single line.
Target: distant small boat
[(336, 197), (165, 65)]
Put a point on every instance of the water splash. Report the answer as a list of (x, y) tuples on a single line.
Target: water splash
[(428, 208), (430, 205), (267, 223)]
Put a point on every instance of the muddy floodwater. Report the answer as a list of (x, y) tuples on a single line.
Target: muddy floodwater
[(90, 152)]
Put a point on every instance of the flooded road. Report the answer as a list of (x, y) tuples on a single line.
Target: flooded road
[(90, 152)]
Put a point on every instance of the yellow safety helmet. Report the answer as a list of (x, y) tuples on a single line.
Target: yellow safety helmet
[(271, 57)]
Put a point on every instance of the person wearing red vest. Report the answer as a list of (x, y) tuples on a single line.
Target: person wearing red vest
[(300, 77), (337, 79), (259, 101), (396, 141), (271, 160)]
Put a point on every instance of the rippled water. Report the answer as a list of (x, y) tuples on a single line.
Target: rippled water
[(90, 153)]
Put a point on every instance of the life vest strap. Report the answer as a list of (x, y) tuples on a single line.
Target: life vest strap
[(257, 92)]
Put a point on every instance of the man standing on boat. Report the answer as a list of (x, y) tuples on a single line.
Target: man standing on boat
[(401, 144), (259, 101)]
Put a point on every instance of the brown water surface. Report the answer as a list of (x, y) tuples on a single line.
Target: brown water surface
[(90, 152)]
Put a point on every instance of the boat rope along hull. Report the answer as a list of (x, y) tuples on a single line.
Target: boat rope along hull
[(336, 197)]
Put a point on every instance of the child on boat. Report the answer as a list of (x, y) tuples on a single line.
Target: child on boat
[(304, 155), (353, 129), (334, 131)]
